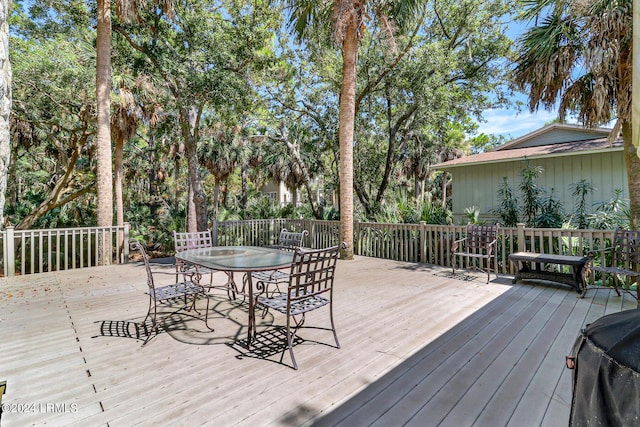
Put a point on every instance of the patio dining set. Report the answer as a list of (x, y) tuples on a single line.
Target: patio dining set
[(285, 277)]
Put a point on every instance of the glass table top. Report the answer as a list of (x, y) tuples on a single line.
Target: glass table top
[(237, 258)]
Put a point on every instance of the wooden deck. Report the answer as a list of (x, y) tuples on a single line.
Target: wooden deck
[(418, 348)]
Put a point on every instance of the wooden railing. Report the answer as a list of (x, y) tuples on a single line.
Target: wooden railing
[(426, 243), (262, 232), (39, 251)]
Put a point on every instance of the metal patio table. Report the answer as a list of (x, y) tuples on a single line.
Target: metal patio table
[(244, 259)]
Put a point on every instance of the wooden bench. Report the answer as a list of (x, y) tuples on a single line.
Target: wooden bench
[(531, 265)]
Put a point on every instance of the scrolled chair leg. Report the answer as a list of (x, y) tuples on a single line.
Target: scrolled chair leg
[(206, 316)]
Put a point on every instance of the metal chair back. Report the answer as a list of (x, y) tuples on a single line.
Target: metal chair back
[(289, 240), (192, 240), (309, 288)]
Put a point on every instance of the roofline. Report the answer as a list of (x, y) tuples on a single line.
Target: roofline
[(541, 156), (547, 128)]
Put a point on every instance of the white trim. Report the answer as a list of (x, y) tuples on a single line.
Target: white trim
[(553, 126), (540, 156)]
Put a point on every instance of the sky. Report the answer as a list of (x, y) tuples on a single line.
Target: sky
[(513, 124), (510, 122)]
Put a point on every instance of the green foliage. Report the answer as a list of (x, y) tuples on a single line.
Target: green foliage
[(402, 210), (580, 191), (531, 193), (548, 211), (327, 212), (551, 214), (612, 213), (258, 105), (473, 214), (433, 213), (387, 214), (539, 207), (508, 209), (484, 142), (52, 127), (565, 60), (261, 208)]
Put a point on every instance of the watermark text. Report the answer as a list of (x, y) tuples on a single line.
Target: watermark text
[(39, 407)]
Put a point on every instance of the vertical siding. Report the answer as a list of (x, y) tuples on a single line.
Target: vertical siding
[(477, 185)]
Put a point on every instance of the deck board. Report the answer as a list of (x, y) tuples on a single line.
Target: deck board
[(469, 364), (419, 347)]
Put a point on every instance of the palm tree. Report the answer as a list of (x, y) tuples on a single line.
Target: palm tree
[(126, 10), (283, 167), (220, 153), (348, 19), (5, 103), (104, 184), (285, 163), (581, 53), (133, 104), (635, 116)]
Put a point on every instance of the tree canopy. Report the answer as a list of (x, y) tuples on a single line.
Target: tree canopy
[(213, 100)]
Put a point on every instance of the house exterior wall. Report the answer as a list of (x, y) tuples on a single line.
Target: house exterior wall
[(277, 192), (477, 185)]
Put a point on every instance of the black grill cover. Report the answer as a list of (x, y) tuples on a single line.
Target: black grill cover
[(606, 379)]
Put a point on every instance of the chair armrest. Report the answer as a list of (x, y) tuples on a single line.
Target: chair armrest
[(491, 246), (591, 254), (456, 244)]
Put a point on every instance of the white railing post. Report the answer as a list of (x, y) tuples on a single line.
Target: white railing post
[(125, 246), (423, 241), (9, 252), (521, 243)]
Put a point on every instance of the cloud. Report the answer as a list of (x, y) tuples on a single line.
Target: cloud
[(513, 124)]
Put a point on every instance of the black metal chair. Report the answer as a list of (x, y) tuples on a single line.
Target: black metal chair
[(196, 240), (480, 242), (310, 287), (624, 253), (287, 241), (184, 294)]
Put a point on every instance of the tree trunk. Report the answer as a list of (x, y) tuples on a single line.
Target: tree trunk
[(306, 178), (192, 224), (5, 103), (345, 136), (176, 180), (189, 125), (153, 176), (118, 181), (104, 176), (216, 199), (118, 190), (635, 78), (632, 162), (245, 190), (65, 190)]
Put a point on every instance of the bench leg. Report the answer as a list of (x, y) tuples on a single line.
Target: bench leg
[(489, 269), (453, 264)]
